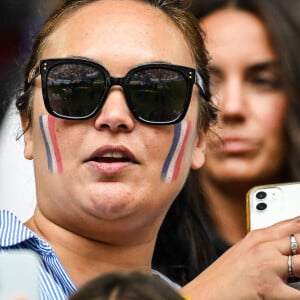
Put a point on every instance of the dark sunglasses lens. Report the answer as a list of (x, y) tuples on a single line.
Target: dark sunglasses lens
[(158, 95), (74, 90)]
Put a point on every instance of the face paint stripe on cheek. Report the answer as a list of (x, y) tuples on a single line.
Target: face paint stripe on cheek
[(185, 133), (172, 164), (166, 167), (43, 125), (51, 123), (49, 136)]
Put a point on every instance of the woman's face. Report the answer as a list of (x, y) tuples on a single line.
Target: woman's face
[(246, 85), (108, 169)]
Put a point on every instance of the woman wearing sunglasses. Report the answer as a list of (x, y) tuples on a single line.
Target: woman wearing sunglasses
[(115, 108)]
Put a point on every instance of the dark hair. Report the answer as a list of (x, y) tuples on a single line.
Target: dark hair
[(126, 286), (181, 17), (183, 249)]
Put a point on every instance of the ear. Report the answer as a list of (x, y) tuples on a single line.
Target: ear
[(198, 157), (28, 147)]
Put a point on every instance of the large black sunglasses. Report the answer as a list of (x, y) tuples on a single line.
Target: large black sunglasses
[(156, 93)]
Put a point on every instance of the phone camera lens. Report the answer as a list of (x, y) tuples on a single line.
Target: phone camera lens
[(261, 206), (261, 195)]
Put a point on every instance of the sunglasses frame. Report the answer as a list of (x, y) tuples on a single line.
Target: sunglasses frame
[(191, 77)]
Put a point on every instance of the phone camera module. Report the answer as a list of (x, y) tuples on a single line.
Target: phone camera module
[(261, 195), (261, 206)]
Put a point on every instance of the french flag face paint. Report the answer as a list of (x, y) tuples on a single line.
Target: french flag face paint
[(172, 164), (47, 124)]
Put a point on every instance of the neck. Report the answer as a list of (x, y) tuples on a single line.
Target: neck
[(84, 258), (227, 208)]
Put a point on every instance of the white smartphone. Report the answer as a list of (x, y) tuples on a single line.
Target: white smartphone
[(19, 275), (269, 204)]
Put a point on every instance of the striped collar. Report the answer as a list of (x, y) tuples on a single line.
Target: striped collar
[(12, 230), (55, 283), (14, 234)]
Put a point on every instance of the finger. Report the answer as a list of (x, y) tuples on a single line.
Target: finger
[(279, 230), (276, 287), (295, 265), (289, 267), (283, 292), (287, 245)]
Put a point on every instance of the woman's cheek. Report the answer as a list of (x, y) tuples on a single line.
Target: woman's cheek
[(47, 126), (172, 164)]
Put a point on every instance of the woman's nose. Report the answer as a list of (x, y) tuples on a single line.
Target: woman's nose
[(115, 114), (231, 101)]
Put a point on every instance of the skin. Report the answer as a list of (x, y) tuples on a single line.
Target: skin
[(254, 268), (171, 168), (95, 216), (47, 125), (246, 86)]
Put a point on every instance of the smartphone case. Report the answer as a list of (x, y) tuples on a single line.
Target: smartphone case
[(269, 204)]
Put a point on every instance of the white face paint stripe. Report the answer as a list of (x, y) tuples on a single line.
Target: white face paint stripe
[(52, 150), (172, 164)]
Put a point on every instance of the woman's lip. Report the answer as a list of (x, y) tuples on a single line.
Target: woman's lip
[(99, 161), (109, 149), (237, 145), (109, 168)]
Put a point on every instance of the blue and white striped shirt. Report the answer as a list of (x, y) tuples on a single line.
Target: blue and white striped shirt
[(55, 283)]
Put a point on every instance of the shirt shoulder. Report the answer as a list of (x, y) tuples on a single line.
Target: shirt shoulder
[(12, 230), (55, 283)]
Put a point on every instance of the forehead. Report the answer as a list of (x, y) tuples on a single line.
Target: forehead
[(239, 33), (118, 30)]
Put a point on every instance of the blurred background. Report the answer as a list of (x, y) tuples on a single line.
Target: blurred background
[(19, 22)]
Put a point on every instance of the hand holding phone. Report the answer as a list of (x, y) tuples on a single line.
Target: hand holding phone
[(269, 204)]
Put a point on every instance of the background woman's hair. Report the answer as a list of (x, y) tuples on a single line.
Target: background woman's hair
[(183, 248)]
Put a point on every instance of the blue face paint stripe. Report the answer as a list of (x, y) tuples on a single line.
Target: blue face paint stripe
[(49, 159), (177, 129)]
